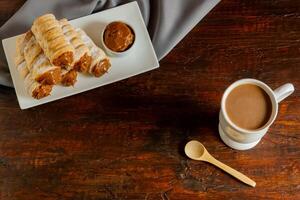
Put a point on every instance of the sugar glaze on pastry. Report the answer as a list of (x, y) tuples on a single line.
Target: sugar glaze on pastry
[(49, 34), (100, 61)]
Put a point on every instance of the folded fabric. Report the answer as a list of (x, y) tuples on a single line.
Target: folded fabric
[(168, 21)]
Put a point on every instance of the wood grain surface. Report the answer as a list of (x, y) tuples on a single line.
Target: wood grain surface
[(125, 140)]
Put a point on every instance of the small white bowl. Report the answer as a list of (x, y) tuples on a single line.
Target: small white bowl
[(115, 53)]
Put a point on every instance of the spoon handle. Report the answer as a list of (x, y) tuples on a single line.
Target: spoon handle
[(231, 171)]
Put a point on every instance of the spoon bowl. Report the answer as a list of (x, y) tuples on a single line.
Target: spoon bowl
[(194, 150)]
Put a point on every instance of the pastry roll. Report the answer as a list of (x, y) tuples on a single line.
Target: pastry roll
[(22, 69), (82, 56), (100, 62), (39, 65), (68, 78), (19, 57), (49, 34), (36, 89)]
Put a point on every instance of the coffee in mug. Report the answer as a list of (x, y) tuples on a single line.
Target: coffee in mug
[(249, 106), (248, 109)]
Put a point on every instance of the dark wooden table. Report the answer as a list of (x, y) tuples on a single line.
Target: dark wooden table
[(125, 140)]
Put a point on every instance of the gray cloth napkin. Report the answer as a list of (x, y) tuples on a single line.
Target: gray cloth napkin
[(168, 21)]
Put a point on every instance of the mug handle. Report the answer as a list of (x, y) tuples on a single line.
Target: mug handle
[(283, 91)]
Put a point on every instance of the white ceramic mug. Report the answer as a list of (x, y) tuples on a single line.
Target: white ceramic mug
[(242, 139)]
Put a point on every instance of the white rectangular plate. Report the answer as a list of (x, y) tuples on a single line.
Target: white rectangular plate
[(142, 57)]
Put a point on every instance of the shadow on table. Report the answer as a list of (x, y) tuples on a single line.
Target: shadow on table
[(187, 120), (174, 119)]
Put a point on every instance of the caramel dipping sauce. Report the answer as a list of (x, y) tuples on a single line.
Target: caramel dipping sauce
[(249, 106), (118, 36)]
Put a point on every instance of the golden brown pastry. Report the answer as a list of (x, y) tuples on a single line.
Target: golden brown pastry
[(100, 62), (22, 69), (52, 52), (19, 57), (68, 78), (82, 56), (49, 34), (39, 65), (34, 88)]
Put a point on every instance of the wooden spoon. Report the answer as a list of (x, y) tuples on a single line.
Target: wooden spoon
[(196, 151)]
